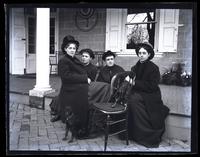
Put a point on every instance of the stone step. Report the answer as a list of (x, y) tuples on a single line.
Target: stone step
[(24, 99)]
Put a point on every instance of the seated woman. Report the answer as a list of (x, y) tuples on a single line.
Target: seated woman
[(146, 110), (99, 91), (110, 69), (87, 55)]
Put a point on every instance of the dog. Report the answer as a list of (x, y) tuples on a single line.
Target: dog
[(70, 122)]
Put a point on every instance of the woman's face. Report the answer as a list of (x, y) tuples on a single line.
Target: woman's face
[(71, 49), (110, 61), (85, 57), (143, 54)]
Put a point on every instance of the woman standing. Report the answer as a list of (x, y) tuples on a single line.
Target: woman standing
[(146, 110), (74, 88)]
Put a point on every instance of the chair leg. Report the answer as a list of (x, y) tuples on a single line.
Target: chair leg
[(50, 69), (90, 119), (106, 132), (127, 142)]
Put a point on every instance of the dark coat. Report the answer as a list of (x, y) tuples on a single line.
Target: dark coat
[(146, 84), (106, 73), (74, 88), (91, 71)]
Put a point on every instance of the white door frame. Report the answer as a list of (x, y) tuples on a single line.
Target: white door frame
[(17, 42), (30, 58)]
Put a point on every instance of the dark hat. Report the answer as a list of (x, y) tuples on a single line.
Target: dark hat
[(69, 39), (89, 51), (147, 46), (108, 53)]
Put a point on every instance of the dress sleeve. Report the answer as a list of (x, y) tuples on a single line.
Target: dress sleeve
[(150, 84), (68, 76)]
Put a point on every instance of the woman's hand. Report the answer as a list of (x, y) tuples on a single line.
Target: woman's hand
[(89, 80), (130, 80)]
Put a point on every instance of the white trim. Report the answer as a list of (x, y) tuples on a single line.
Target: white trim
[(10, 41), (56, 44), (156, 36), (129, 51), (168, 42), (15, 41), (133, 54)]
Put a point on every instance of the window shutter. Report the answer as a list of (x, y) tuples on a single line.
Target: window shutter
[(168, 30), (113, 30)]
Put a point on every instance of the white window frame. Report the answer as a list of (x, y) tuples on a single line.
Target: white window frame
[(121, 48)]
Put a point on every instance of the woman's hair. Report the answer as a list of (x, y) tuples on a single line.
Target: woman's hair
[(64, 46), (67, 40), (147, 48)]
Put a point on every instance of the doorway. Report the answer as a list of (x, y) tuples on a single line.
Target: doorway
[(31, 38)]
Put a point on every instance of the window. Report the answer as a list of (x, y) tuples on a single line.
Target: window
[(52, 35), (126, 27), (140, 27), (31, 35), (31, 16)]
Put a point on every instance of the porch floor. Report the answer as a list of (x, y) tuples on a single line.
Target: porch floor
[(30, 129)]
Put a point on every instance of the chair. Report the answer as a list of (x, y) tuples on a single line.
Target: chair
[(53, 61), (113, 112)]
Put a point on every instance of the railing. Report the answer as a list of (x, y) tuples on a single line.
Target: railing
[(53, 61), (98, 58)]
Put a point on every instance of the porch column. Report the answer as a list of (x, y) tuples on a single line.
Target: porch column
[(42, 87)]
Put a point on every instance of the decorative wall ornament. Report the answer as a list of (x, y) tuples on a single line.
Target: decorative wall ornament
[(86, 19)]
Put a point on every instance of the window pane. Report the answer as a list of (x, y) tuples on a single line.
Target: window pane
[(52, 35), (136, 34), (31, 35), (31, 49), (139, 27)]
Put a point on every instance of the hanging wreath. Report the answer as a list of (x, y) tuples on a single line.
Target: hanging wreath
[(86, 19)]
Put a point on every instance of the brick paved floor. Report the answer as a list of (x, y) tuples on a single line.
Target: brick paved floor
[(30, 129)]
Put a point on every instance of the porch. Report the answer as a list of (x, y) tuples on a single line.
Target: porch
[(22, 117)]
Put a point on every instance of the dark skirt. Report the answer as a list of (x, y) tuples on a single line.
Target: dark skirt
[(140, 128), (78, 101), (98, 92)]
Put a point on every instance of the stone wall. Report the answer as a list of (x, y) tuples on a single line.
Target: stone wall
[(93, 39)]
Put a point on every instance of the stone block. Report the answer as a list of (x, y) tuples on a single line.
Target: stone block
[(178, 127), (37, 102)]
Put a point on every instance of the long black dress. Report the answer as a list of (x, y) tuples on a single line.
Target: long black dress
[(91, 71), (146, 110), (106, 73), (100, 91), (74, 89)]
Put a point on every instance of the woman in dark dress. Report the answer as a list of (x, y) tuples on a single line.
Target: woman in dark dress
[(87, 55), (110, 69), (74, 87), (100, 91), (146, 110)]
